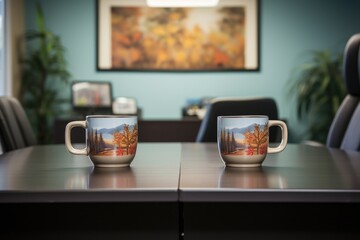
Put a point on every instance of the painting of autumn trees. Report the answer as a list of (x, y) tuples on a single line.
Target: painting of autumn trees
[(170, 38), (117, 141), (253, 141)]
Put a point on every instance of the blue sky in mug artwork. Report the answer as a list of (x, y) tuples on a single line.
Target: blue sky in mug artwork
[(99, 123), (240, 122)]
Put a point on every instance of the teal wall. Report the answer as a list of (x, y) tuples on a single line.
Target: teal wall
[(288, 30)]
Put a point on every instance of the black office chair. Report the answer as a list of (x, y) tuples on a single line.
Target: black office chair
[(344, 132), (15, 129), (2, 128), (236, 106)]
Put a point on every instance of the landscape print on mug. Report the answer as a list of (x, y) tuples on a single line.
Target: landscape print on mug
[(113, 140), (248, 140)]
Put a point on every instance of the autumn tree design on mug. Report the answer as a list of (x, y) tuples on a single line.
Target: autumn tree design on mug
[(118, 141), (126, 140), (254, 141)]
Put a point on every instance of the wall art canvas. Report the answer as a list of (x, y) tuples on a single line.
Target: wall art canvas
[(132, 36)]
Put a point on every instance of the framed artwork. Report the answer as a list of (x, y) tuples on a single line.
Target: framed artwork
[(89, 95), (132, 36)]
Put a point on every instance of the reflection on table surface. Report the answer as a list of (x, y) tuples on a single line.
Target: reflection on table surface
[(258, 177)]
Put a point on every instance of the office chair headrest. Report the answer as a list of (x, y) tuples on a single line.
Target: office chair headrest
[(352, 65)]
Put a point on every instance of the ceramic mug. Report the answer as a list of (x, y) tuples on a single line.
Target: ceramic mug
[(111, 140), (243, 141)]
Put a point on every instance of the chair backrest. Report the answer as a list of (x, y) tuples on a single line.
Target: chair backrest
[(15, 129), (235, 106), (3, 129), (344, 132), (1, 146)]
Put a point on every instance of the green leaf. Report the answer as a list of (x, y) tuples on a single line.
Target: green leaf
[(40, 18), (43, 67), (319, 88)]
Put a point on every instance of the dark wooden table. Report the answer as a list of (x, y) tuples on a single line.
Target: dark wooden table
[(180, 190)]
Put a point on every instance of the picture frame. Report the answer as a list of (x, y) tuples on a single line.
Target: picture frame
[(91, 96), (134, 37)]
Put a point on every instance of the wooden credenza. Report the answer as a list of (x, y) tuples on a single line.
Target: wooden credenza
[(183, 130)]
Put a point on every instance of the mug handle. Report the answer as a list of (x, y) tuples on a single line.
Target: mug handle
[(284, 136), (68, 144)]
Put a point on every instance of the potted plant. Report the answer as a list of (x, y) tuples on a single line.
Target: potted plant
[(44, 71), (319, 89)]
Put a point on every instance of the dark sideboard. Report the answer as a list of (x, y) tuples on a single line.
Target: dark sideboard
[(182, 130)]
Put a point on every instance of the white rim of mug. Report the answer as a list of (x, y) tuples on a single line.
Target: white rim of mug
[(110, 116), (244, 116)]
